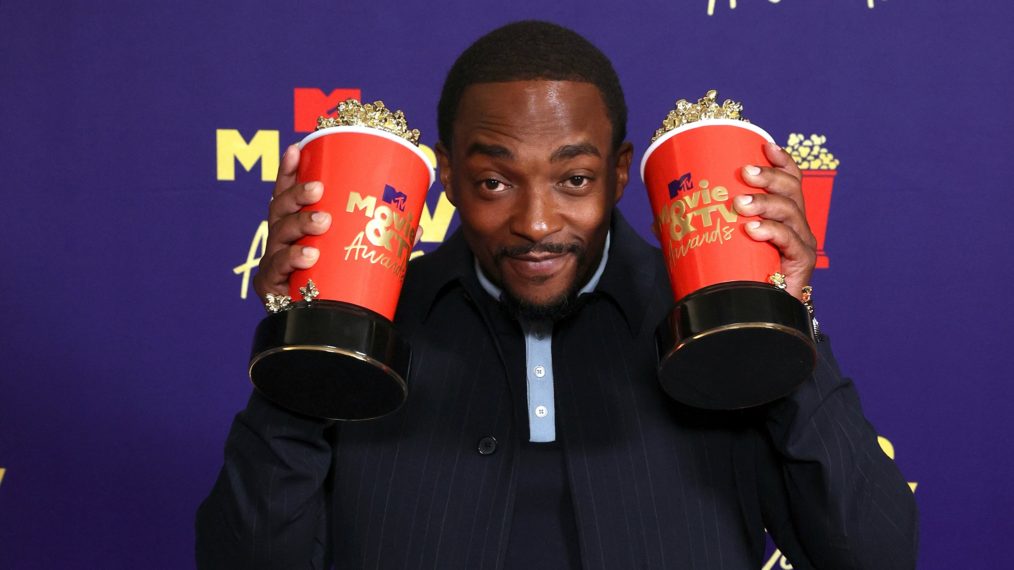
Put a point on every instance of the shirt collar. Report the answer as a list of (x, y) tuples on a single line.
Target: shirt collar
[(631, 278)]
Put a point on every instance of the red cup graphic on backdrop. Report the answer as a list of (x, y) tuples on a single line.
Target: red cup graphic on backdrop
[(734, 339), (819, 167), (336, 353)]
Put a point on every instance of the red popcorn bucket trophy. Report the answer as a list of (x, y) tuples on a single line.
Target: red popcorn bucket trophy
[(335, 353), (735, 338)]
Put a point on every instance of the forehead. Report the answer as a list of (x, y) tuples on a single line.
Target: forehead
[(532, 111)]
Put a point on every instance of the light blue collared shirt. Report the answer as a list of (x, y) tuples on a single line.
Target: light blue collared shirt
[(539, 358)]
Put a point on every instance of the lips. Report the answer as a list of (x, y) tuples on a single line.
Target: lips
[(537, 266)]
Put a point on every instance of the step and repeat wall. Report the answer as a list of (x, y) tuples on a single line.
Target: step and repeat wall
[(139, 142)]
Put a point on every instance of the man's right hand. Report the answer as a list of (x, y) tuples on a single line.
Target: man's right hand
[(286, 225)]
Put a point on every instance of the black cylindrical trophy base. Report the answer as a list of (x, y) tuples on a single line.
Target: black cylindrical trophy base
[(330, 360), (735, 345)]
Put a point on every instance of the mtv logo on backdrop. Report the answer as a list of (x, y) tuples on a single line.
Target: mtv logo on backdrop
[(308, 103)]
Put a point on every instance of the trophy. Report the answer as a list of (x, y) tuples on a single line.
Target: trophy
[(735, 338), (329, 349)]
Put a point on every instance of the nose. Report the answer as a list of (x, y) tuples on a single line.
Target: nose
[(536, 215)]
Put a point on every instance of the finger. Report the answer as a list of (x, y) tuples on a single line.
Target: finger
[(779, 209), (293, 199), (287, 168), (781, 236), (273, 274), (418, 235), (782, 160), (775, 181), (290, 229), (798, 260)]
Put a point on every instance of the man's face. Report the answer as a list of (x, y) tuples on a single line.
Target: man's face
[(534, 177)]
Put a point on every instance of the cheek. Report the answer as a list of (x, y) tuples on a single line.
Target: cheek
[(589, 218), (482, 221)]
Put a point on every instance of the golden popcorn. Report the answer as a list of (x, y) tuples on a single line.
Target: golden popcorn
[(352, 113), (809, 153), (706, 107)]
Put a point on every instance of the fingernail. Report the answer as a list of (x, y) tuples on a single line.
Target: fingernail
[(311, 252), (752, 225), (314, 187), (774, 146), (320, 217), (744, 200), (752, 170)]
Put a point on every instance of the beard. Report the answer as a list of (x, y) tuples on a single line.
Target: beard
[(554, 309)]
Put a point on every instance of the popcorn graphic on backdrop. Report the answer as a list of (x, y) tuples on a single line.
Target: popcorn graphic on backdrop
[(809, 153)]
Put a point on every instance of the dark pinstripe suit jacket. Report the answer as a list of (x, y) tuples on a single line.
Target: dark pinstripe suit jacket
[(654, 484)]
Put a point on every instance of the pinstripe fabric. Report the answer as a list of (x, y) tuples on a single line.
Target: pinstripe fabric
[(654, 484)]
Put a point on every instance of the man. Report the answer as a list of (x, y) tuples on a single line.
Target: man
[(535, 434)]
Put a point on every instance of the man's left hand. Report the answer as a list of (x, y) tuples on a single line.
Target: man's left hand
[(782, 213)]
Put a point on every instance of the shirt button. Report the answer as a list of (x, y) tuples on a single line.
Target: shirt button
[(541, 411), (487, 445), (540, 371)]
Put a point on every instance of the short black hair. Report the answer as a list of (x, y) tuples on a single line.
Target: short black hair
[(529, 50)]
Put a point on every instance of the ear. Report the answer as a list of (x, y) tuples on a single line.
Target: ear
[(444, 165), (624, 156)]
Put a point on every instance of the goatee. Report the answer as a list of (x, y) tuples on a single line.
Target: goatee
[(554, 309)]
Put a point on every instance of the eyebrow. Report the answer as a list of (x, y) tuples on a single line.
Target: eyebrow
[(569, 151), (491, 150), (565, 152)]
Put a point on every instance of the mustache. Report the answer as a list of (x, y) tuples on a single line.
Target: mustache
[(550, 247)]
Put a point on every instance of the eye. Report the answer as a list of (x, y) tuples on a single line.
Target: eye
[(577, 181), (493, 185)]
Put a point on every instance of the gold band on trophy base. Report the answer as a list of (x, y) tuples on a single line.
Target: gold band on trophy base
[(735, 345)]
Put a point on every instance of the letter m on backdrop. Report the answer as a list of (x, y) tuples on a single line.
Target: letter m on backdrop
[(232, 147), (308, 103)]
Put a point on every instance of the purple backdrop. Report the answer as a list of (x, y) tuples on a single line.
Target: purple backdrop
[(125, 345)]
